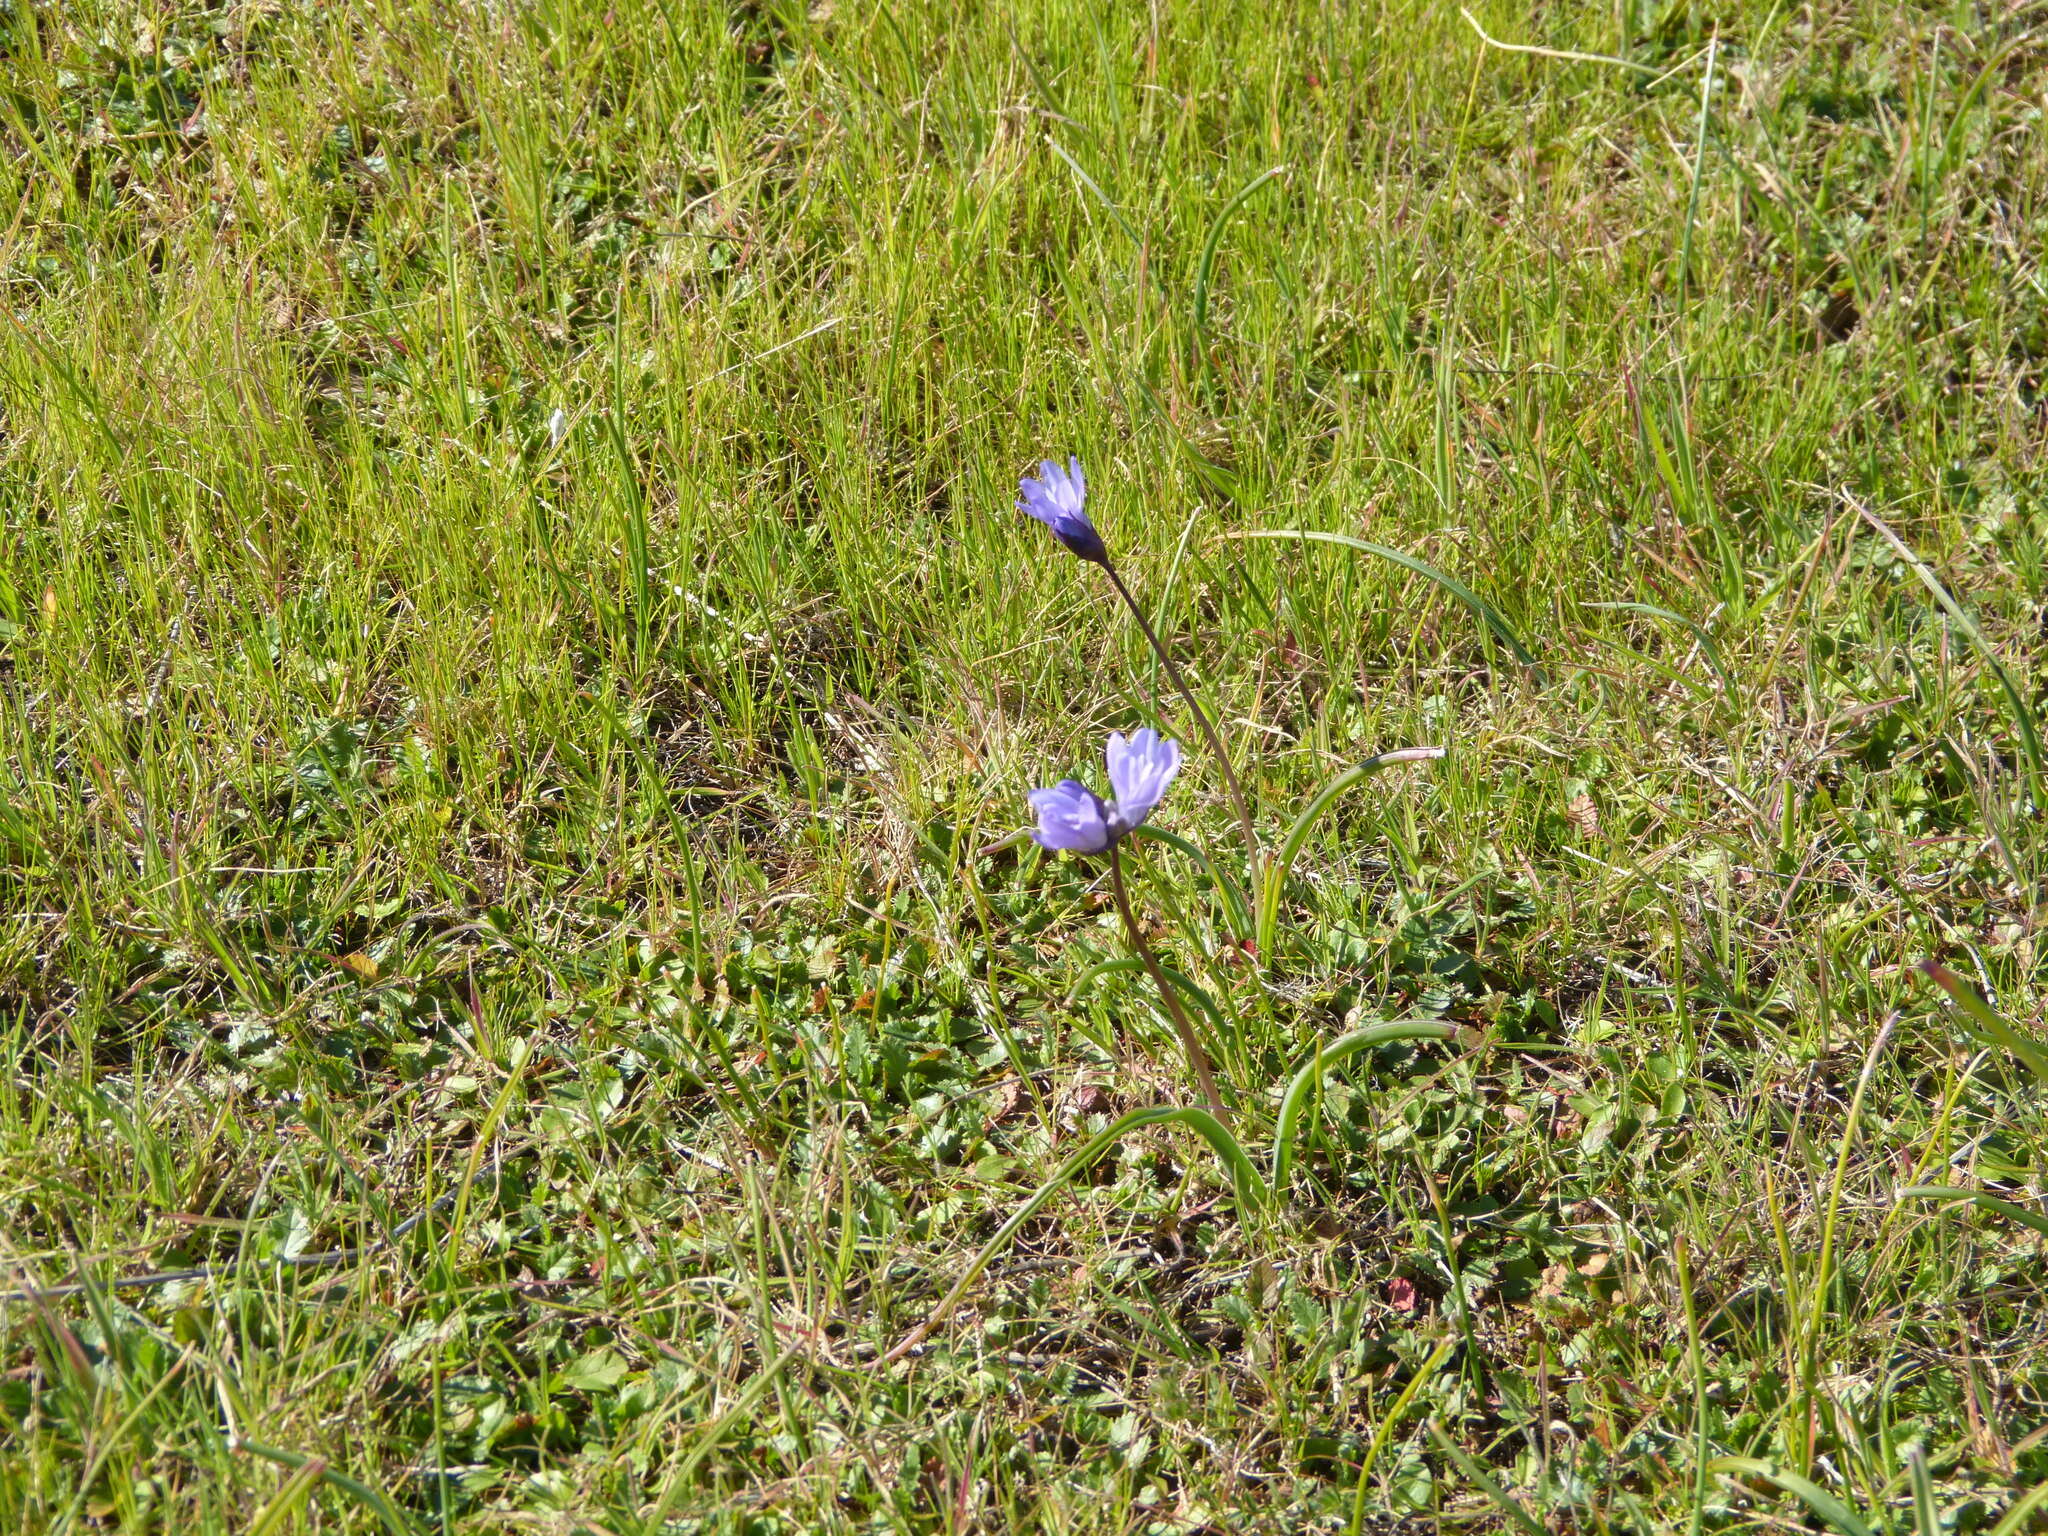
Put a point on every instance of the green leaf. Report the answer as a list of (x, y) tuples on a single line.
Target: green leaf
[(1204, 267), (598, 1371), (1310, 1076), (1926, 1515), (1233, 898), (1184, 984), (1481, 609), (2015, 1519), (371, 1498), (1479, 1478), (2022, 714), (1952, 1194), (1990, 1026), (1707, 647), (1101, 196), (1819, 1500), (1313, 812)]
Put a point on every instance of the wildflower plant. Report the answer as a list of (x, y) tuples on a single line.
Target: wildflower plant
[(1058, 498), (1073, 819)]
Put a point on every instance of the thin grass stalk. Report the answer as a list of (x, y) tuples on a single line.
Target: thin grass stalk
[(1817, 1499), (1202, 721), (1197, 1057), (1823, 1275), (1423, 1374), (1698, 1364), (371, 1497)]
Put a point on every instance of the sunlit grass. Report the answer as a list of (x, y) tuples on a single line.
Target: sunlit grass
[(517, 640)]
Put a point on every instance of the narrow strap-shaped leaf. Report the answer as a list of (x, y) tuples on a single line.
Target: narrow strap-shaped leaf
[(2022, 714), (1338, 1051), (1481, 609), (1232, 896), (1205, 266), (1926, 1514), (1183, 983), (1305, 823), (1699, 633), (1817, 1499), (1101, 196), (373, 1499), (2015, 1519), (1480, 1478), (1251, 1190), (1953, 1194), (1989, 1023)]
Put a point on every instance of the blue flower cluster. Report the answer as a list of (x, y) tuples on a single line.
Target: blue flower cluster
[(1072, 818)]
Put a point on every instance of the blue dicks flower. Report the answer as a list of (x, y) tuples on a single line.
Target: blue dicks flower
[(1072, 817), (1058, 498), (1139, 771)]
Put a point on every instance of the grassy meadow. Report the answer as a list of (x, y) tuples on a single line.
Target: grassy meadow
[(520, 664)]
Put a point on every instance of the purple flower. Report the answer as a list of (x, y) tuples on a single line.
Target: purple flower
[(1057, 498), (1072, 817), (1139, 771)]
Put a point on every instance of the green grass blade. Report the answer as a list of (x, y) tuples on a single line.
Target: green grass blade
[(639, 562), (285, 1502), (1251, 1190), (1233, 898), (1991, 1027), (1206, 266), (1951, 143), (1101, 196), (1481, 609), (1926, 1514), (1480, 1478), (1184, 984), (1244, 1178), (2022, 713), (1707, 647), (2016, 1518), (1699, 160), (1953, 1194), (1421, 1377), (373, 1499), (743, 1406), (1087, 979), (1317, 808), (1305, 1082), (1699, 690), (1819, 1500)]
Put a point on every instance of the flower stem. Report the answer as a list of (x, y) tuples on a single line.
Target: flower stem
[(1202, 722), (1197, 1057)]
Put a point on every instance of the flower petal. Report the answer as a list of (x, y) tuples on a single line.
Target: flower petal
[(1058, 498), (1140, 770), (1071, 818)]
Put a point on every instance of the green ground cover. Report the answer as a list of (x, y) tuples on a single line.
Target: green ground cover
[(516, 642)]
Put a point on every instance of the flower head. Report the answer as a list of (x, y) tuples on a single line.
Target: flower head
[(1058, 498), (1139, 771), (1072, 817)]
